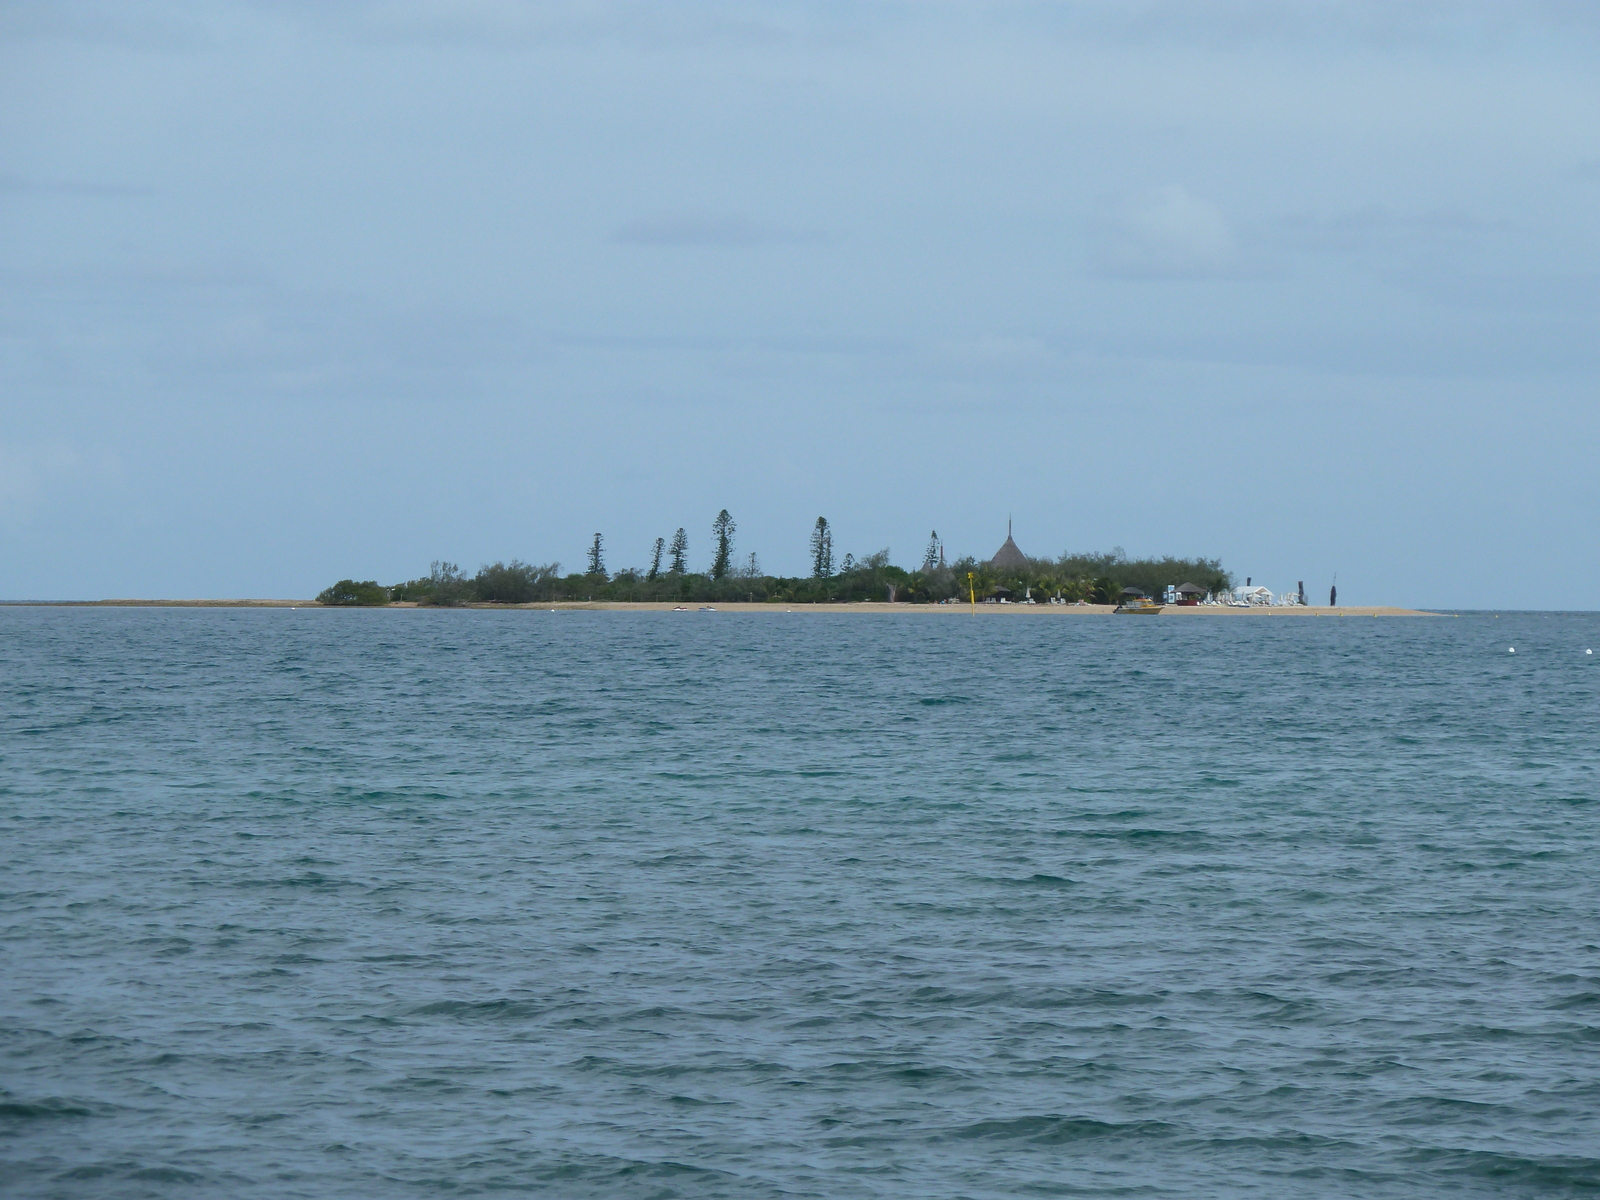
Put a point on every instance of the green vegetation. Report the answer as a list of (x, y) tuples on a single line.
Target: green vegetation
[(350, 592), (1094, 578), (512, 583), (444, 584)]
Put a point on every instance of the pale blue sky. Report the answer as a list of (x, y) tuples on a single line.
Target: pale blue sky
[(296, 291)]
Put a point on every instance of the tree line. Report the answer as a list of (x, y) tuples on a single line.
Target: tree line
[(1090, 578)]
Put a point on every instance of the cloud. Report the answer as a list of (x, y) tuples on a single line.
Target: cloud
[(706, 229), (1165, 233)]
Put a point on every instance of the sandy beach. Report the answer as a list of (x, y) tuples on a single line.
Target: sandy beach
[(995, 610), (871, 607)]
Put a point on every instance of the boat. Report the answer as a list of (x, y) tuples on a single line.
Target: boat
[(1135, 602)]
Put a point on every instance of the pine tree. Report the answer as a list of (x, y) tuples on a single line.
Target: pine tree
[(597, 560), (680, 552), (655, 558), (821, 549), (930, 557), (722, 531)]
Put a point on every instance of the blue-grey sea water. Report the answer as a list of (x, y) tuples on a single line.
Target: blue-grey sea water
[(470, 903)]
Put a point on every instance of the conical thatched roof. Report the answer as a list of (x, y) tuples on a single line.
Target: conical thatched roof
[(1008, 556)]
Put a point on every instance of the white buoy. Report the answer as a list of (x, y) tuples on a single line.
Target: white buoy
[(1511, 649)]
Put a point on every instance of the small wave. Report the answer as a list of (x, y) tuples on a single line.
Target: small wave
[(1539, 1175), (1431, 1110), (124, 1170), (1146, 837), (1052, 1130), (312, 880), (904, 1072), (1583, 1000), (596, 1167), (165, 1175), (483, 1010), (1271, 1142), (1122, 814), (51, 1108)]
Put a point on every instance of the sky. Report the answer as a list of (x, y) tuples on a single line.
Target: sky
[(298, 291)]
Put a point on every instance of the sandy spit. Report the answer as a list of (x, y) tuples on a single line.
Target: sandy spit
[(992, 610), (869, 607)]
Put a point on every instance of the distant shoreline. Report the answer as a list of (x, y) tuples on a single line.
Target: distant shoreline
[(1034, 610)]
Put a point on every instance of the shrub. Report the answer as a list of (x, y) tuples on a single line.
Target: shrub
[(350, 592), (444, 585), (515, 582)]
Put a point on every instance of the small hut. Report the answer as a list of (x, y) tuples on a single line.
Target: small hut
[(1009, 557), (1189, 595)]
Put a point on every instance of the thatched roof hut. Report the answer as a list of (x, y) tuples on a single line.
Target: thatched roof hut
[(1009, 557)]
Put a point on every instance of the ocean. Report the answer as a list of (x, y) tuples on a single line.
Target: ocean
[(351, 903)]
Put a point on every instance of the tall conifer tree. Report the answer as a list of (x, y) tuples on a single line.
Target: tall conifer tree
[(597, 559), (722, 534), (680, 552), (821, 549), (655, 558), (930, 557)]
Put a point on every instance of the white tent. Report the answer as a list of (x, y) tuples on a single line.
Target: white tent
[(1252, 595)]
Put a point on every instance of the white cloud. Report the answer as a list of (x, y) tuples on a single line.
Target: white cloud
[(1166, 233)]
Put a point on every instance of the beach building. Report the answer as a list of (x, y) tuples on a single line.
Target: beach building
[(1009, 557)]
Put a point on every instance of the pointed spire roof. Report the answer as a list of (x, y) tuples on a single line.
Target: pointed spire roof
[(1009, 555)]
